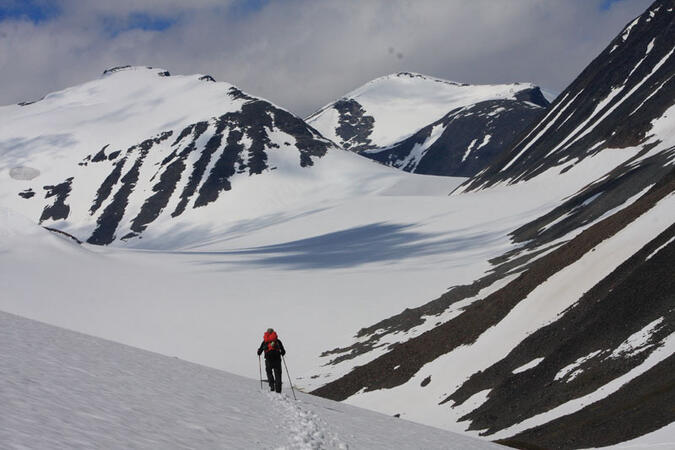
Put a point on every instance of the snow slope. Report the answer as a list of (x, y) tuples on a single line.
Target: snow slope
[(60, 389)]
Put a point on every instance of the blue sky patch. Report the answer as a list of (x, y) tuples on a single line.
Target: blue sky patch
[(34, 10), (243, 8), (606, 4), (137, 21)]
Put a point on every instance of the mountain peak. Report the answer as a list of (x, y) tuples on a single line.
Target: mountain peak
[(129, 68), (388, 117), (415, 76)]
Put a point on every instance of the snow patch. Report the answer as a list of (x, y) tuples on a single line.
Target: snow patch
[(660, 248), (419, 150), (637, 342), (486, 140), (468, 150), (573, 370), (628, 29), (535, 362)]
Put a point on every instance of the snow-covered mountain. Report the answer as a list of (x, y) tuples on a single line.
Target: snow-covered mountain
[(61, 389), (137, 148), (427, 125), (568, 340)]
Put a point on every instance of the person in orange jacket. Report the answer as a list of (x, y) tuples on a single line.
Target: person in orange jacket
[(274, 350)]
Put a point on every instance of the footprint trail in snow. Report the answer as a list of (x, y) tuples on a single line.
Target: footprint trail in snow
[(306, 430)]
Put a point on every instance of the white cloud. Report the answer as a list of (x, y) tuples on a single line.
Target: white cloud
[(302, 54)]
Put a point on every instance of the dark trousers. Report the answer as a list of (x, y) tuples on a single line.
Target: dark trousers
[(273, 370)]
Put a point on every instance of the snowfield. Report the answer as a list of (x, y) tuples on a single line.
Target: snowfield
[(60, 389), (323, 266)]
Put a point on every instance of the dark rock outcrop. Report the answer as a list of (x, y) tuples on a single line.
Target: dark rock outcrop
[(58, 209)]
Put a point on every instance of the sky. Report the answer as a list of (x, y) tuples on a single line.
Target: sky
[(303, 54)]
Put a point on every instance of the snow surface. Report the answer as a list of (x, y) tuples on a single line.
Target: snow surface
[(364, 243), (323, 266), (403, 103), (60, 389), (317, 254)]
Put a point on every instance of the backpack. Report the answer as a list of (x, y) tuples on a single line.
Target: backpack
[(271, 341)]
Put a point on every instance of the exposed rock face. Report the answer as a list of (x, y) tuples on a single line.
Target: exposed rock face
[(107, 222), (58, 209), (234, 143), (464, 141), (28, 193), (354, 125), (115, 69)]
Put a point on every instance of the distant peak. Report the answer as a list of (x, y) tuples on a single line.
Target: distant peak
[(411, 75), (125, 68), (115, 69), (418, 76)]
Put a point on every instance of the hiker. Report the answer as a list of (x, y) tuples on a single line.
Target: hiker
[(274, 350)]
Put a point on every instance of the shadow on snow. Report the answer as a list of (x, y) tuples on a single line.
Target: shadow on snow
[(378, 242)]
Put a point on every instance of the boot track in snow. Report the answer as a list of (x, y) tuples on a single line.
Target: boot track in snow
[(306, 430)]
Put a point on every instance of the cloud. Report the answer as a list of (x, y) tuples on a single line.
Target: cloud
[(302, 54)]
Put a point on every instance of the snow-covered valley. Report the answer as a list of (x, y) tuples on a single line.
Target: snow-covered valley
[(530, 302)]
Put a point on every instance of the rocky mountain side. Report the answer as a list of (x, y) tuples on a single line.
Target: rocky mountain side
[(568, 340)]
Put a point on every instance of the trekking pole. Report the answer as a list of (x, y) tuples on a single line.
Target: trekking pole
[(289, 376), (260, 370)]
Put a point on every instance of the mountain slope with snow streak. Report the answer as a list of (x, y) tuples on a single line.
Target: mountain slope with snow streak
[(567, 341), (622, 99), (427, 125), (65, 389)]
